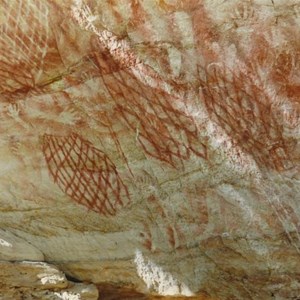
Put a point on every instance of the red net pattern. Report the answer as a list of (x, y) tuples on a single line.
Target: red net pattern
[(85, 173), (164, 131), (23, 42), (244, 110)]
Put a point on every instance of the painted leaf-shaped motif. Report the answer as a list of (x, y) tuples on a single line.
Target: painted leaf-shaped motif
[(85, 173)]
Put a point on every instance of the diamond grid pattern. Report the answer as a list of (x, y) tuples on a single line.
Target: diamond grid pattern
[(84, 173), (23, 44), (243, 109), (154, 114)]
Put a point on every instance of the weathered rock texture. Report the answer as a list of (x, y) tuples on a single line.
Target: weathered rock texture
[(153, 144), (37, 280)]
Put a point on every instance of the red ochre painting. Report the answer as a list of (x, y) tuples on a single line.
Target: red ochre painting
[(99, 81), (178, 120), (84, 173)]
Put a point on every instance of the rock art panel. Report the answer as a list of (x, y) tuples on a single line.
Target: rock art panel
[(153, 145)]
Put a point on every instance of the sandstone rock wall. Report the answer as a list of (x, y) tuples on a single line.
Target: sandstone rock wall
[(151, 145)]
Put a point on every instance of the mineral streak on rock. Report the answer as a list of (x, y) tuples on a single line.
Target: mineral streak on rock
[(152, 145)]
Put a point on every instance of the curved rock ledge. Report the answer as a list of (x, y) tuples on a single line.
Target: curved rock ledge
[(40, 281)]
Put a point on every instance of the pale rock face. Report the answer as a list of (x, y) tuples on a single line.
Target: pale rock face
[(152, 145), (15, 249)]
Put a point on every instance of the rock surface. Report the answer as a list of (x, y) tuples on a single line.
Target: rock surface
[(15, 249), (38, 280), (152, 145)]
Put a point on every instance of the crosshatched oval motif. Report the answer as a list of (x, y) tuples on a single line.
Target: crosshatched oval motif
[(85, 173)]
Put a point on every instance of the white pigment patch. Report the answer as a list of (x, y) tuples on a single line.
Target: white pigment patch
[(5, 243), (159, 280)]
